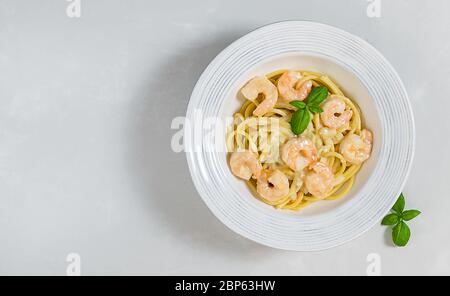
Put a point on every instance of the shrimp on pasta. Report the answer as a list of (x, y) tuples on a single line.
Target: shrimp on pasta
[(306, 138)]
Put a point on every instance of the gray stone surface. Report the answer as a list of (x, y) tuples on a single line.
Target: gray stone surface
[(85, 160)]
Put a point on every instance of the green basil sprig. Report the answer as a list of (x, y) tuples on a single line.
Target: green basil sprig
[(401, 233), (317, 96), (301, 118)]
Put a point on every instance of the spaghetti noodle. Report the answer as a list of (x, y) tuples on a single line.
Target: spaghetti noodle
[(265, 135)]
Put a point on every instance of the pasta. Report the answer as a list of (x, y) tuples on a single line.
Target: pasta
[(324, 170)]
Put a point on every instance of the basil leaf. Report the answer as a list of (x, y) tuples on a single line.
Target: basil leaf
[(315, 109), (298, 104), (317, 96), (399, 205), (300, 121), (411, 214), (401, 234), (391, 219)]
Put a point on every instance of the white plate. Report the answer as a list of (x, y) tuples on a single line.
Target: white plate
[(365, 76)]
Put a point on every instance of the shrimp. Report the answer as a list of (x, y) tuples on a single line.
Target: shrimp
[(298, 153), (356, 149), (335, 114), (287, 89), (319, 180), (245, 165), (272, 185), (257, 86)]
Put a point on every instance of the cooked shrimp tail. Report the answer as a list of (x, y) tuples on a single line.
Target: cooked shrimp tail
[(257, 86), (356, 149), (287, 87), (335, 114), (299, 153), (245, 165), (272, 185)]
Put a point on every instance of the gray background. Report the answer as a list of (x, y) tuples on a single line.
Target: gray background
[(85, 161)]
